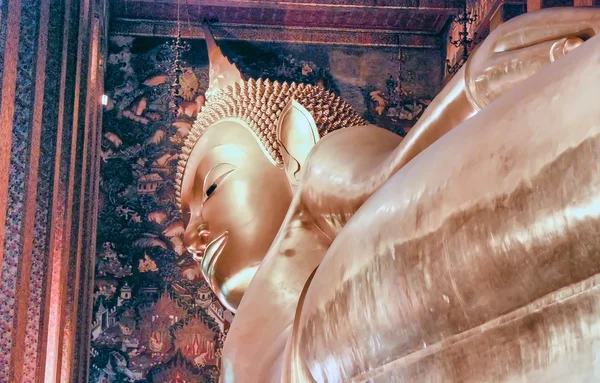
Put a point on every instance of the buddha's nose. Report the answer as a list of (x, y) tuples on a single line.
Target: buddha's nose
[(196, 238)]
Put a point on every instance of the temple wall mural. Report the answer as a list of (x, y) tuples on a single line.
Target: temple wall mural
[(150, 324)]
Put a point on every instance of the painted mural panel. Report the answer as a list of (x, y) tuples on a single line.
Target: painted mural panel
[(150, 323)]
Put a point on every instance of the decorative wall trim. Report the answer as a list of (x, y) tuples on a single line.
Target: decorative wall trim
[(312, 4), (28, 325), (48, 140), (402, 15), (328, 36)]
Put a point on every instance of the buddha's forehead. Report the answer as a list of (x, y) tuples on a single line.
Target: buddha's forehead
[(227, 141), (228, 132)]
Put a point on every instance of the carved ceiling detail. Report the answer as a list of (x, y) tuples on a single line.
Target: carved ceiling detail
[(409, 23)]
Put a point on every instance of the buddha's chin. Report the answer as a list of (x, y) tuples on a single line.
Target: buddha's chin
[(211, 256), (230, 292)]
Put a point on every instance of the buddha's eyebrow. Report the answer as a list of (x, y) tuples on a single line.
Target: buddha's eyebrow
[(208, 173), (212, 158), (207, 163), (222, 154)]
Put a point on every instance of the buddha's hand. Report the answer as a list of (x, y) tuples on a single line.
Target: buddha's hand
[(522, 46)]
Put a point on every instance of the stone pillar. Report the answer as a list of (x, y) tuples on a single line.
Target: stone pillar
[(51, 82)]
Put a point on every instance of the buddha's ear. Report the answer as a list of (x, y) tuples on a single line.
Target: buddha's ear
[(297, 134)]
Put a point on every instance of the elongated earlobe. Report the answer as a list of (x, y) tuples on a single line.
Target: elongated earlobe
[(297, 134)]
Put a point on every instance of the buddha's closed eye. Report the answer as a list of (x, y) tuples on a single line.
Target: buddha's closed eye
[(215, 176), (211, 189)]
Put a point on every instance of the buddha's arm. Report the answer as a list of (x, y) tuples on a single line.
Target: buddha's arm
[(512, 53), (259, 331), (476, 261)]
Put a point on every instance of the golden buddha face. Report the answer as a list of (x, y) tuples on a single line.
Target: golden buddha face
[(237, 174), (234, 199)]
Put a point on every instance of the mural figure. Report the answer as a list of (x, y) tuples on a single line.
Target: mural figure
[(394, 108), (383, 234)]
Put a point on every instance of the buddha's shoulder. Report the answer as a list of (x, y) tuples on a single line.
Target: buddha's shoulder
[(353, 143)]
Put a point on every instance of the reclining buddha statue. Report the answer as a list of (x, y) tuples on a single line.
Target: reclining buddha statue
[(466, 252)]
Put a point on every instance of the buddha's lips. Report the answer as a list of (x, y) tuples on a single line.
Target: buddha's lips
[(204, 233), (211, 255), (198, 252)]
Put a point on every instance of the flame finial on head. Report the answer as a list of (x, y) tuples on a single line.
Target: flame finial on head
[(221, 71)]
